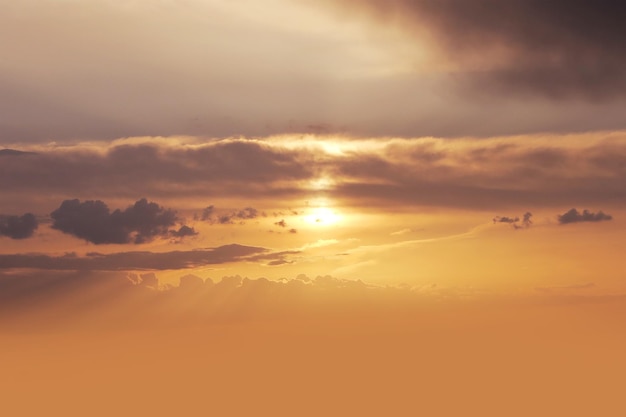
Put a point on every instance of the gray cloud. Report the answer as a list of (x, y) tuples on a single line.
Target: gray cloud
[(135, 260), (239, 216), (574, 216), (545, 47), (526, 221), (504, 219), (13, 153), (93, 221), (226, 168), (124, 85), (498, 173), (18, 227), (183, 231)]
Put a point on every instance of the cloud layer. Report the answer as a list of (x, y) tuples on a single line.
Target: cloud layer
[(294, 66), (497, 173), (546, 47)]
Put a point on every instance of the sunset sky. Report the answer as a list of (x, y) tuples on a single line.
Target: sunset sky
[(376, 152)]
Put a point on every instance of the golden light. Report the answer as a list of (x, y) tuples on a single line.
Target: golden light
[(322, 216)]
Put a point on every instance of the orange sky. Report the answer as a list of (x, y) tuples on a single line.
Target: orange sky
[(361, 180)]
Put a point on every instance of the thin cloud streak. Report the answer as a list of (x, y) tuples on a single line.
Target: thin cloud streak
[(136, 260)]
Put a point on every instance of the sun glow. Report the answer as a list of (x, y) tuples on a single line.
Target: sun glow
[(322, 216)]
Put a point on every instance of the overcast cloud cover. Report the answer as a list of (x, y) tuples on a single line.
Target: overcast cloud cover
[(75, 70)]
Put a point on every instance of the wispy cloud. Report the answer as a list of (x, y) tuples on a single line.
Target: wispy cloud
[(135, 260)]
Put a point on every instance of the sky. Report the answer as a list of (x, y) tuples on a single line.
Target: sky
[(268, 164)]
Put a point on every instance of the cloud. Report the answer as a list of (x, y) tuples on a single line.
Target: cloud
[(13, 153), (207, 213), (18, 227), (136, 297), (487, 174), (243, 168), (505, 219), (92, 220), (549, 48), (515, 221), (574, 216), (135, 260), (184, 231), (238, 216)]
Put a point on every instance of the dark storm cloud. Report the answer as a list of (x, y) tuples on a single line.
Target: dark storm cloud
[(93, 221), (547, 47), (574, 216), (18, 227), (124, 261)]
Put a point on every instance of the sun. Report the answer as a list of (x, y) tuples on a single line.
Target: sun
[(322, 216)]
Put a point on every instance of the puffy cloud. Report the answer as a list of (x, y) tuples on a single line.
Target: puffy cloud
[(18, 227), (183, 231), (574, 216), (135, 260), (92, 220)]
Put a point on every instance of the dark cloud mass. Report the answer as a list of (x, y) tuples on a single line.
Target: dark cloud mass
[(574, 216), (18, 227), (549, 47), (92, 220)]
